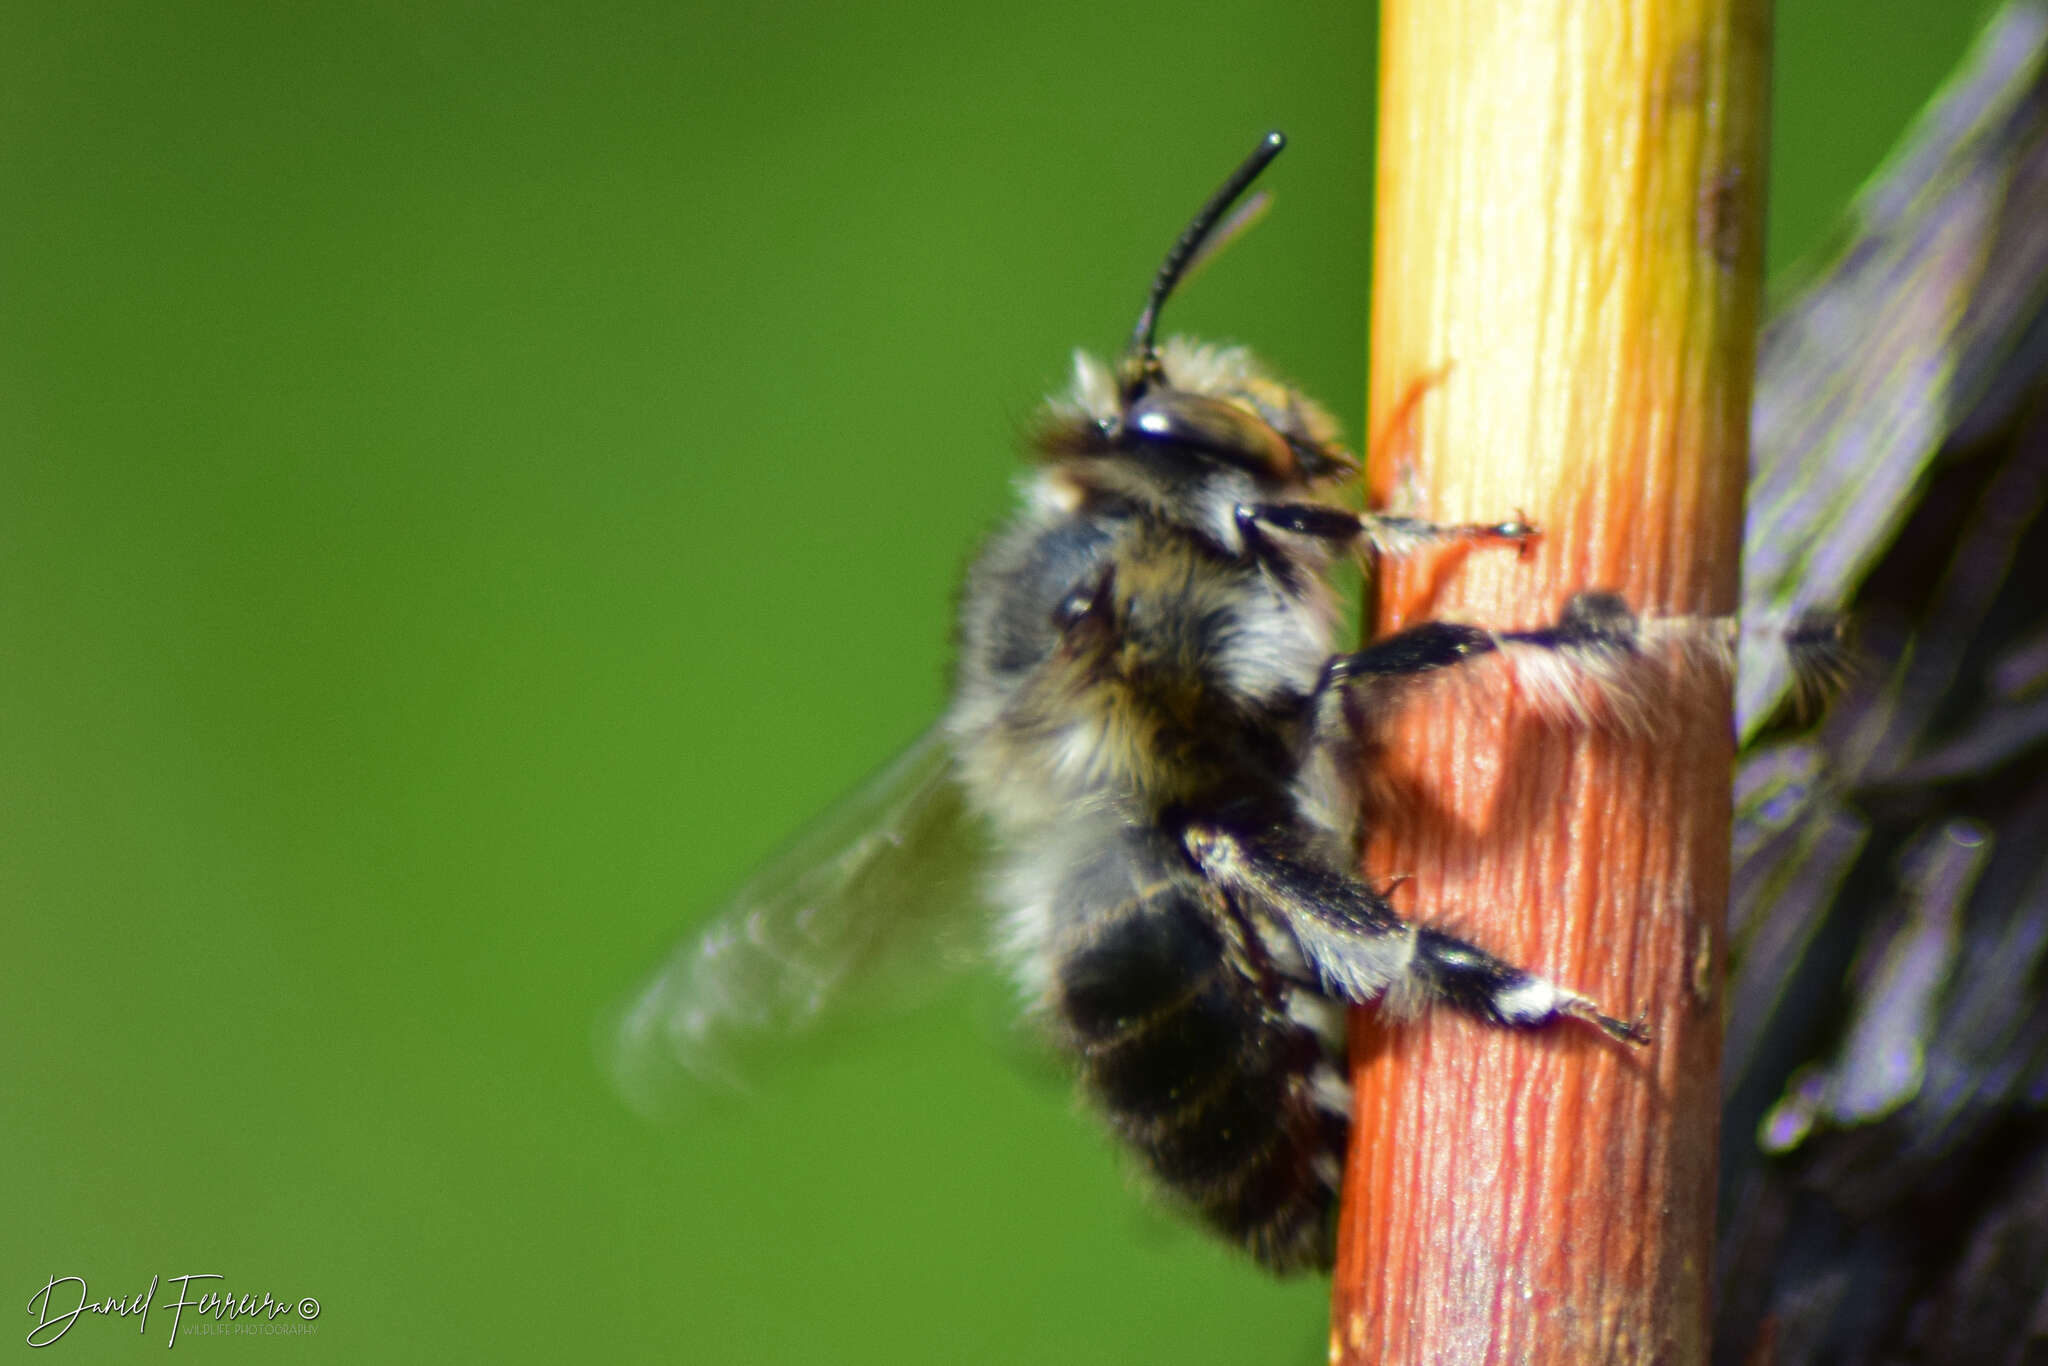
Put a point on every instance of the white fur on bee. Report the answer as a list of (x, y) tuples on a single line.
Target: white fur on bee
[(1326, 791), (1533, 1002), (1051, 495), (1582, 688), (1028, 889), (1380, 968), (1277, 646), (1094, 393), (1330, 1089), (1057, 881)]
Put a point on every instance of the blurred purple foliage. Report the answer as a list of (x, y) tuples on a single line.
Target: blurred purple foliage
[(1885, 1141)]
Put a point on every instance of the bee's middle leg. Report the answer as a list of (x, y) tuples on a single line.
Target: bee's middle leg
[(1591, 641)]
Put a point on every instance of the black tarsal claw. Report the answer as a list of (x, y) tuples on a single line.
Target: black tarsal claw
[(1636, 1031)]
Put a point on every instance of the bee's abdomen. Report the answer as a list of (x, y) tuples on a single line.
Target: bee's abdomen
[(1206, 1077)]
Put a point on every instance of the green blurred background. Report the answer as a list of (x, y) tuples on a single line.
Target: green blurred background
[(475, 478)]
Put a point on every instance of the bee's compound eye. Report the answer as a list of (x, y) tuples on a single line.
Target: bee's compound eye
[(1153, 422), (1218, 428)]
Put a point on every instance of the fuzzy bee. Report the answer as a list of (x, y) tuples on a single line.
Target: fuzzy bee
[(1146, 772)]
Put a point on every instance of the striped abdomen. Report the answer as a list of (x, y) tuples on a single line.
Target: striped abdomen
[(1203, 1072)]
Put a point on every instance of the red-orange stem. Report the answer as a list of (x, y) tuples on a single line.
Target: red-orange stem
[(1569, 220)]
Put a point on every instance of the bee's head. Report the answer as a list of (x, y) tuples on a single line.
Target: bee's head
[(1195, 403)]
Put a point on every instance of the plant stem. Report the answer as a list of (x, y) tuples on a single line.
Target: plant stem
[(1569, 230)]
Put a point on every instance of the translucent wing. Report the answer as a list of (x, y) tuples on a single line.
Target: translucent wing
[(882, 890)]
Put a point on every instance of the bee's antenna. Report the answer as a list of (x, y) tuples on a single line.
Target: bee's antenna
[(1191, 239)]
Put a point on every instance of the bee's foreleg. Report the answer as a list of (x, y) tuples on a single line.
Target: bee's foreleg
[(1361, 951), (1377, 532)]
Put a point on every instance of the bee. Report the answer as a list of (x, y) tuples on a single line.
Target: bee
[(1146, 776)]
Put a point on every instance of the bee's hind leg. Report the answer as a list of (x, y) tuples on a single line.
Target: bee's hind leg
[(1361, 951)]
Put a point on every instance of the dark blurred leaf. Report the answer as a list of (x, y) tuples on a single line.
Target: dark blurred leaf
[(1902, 337), (1886, 1080)]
